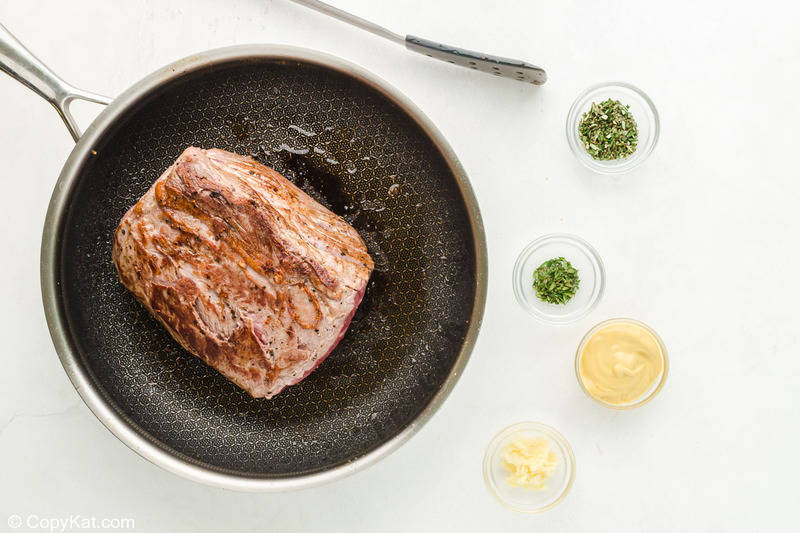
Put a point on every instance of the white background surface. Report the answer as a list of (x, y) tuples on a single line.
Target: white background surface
[(700, 242)]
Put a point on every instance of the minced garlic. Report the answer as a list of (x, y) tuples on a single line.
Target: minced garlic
[(530, 462)]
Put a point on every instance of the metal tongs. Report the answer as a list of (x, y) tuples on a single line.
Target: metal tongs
[(498, 66)]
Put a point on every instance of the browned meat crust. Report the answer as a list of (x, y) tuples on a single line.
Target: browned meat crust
[(244, 269)]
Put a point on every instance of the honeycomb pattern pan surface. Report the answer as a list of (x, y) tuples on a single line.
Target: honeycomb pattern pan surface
[(354, 149)]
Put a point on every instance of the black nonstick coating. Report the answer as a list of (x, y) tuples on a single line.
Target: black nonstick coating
[(355, 151)]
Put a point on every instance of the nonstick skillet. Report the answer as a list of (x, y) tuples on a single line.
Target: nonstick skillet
[(355, 144)]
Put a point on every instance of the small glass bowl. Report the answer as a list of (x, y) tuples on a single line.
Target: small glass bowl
[(647, 396), (528, 500), (643, 111), (582, 256)]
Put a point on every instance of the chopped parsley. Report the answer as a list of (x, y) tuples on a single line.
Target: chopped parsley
[(556, 281)]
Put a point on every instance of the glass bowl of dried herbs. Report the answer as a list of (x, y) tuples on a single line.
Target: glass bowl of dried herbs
[(558, 278), (612, 127)]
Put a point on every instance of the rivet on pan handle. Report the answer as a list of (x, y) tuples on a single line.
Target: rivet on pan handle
[(22, 65)]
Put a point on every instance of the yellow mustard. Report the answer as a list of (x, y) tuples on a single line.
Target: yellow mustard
[(529, 461), (620, 363)]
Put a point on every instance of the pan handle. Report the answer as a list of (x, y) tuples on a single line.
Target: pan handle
[(22, 65)]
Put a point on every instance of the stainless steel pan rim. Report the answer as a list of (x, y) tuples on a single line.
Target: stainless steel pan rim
[(51, 237)]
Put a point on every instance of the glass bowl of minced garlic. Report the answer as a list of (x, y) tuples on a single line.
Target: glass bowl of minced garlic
[(529, 467), (612, 127)]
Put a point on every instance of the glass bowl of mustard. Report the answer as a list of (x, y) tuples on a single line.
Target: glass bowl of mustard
[(529, 467), (621, 363), (639, 106)]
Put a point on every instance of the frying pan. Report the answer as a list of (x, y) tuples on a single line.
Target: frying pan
[(355, 144)]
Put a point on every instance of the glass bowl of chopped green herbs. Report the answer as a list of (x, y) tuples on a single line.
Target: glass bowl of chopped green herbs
[(612, 127), (558, 278)]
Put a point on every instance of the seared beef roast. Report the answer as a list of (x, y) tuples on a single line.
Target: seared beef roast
[(244, 269)]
